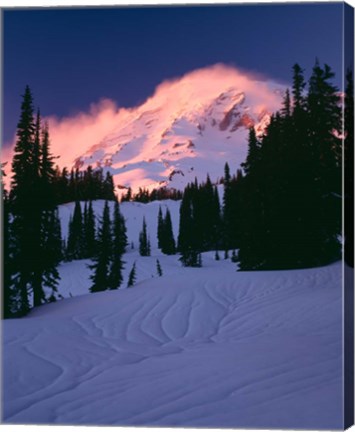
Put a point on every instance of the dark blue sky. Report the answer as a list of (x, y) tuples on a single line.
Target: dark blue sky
[(73, 57)]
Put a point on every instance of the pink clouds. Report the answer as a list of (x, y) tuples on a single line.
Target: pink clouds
[(72, 136)]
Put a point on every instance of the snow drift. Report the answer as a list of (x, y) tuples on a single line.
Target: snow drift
[(205, 347)]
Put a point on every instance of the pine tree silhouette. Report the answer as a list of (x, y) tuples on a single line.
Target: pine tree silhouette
[(132, 276), (101, 261), (144, 244)]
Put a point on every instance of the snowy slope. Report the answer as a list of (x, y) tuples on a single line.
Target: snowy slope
[(196, 347), (210, 347)]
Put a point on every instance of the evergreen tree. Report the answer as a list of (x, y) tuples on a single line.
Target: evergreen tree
[(132, 276), (253, 152), (167, 237), (160, 233), (144, 244), (187, 234), (34, 227), (118, 247), (24, 215), (47, 171), (8, 298), (159, 270), (108, 187), (76, 234), (51, 240), (298, 87), (286, 108), (325, 150), (227, 208), (89, 231), (51, 252), (101, 261)]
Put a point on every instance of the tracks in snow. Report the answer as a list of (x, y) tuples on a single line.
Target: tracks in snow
[(203, 350)]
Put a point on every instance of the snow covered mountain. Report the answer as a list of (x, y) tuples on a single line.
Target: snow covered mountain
[(190, 127)]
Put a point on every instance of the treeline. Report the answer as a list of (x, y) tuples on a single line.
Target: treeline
[(284, 209), (145, 196), (200, 225), (291, 193), (82, 185)]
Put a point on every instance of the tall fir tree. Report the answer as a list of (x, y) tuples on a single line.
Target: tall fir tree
[(144, 243), (253, 152), (8, 299), (227, 208), (118, 247), (22, 186), (89, 231), (188, 239), (160, 233), (51, 239), (76, 235), (101, 260), (132, 276), (167, 241)]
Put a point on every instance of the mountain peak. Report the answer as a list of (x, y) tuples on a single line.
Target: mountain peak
[(189, 127)]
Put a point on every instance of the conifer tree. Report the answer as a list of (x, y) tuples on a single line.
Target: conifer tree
[(51, 251), (33, 211), (189, 239), (253, 152), (298, 87), (51, 240), (24, 214), (118, 247), (286, 106), (103, 254), (108, 187), (89, 231), (160, 233), (144, 244), (8, 299), (132, 276), (167, 241), (76, 234), (227, 208)]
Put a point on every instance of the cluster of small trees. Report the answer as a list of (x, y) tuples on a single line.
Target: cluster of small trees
[(166, 241), (200, 222), (144, 241), (144, 195), (82, 185), (111, 242)]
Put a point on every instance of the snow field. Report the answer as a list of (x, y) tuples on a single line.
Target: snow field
[(203, 347)]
